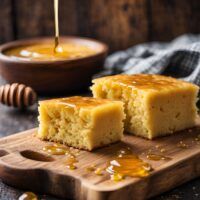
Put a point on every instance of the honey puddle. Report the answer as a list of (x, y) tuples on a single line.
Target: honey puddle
[(127, 164), (28, 196)]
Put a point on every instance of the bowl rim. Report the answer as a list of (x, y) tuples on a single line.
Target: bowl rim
[(102, 46)]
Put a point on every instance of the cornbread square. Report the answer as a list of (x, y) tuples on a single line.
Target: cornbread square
[(81, 122), (155, 105)]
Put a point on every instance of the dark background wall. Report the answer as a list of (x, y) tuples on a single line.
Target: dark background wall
[(120, 23)]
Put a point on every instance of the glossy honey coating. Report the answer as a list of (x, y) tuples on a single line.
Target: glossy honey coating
[(146, 81), (78, 101)]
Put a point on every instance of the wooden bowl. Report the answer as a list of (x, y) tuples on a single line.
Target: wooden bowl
[(53, 77)]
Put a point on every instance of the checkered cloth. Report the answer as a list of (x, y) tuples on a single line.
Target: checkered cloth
[(179, 58)]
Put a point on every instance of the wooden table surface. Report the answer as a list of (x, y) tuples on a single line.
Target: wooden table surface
[(13, 120)]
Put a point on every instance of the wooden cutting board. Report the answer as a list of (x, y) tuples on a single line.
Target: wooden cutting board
[(23, 164)]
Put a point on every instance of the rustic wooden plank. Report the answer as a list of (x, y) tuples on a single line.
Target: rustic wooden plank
[(119, 23), (170, 18), (37, 18), (6, 28), (23, 164), (68, 17)]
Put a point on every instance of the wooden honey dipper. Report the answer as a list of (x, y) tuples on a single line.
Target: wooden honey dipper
[(17, 95)]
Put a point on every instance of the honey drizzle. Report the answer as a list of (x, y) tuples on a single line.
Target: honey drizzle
[(28, 196), (127, 164), (144, 81), (56, 9)]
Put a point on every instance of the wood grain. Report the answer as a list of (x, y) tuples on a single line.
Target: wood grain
[(120, 23), (23, 164), (169, 18), (37, 18), (34, 18), (6, 28)]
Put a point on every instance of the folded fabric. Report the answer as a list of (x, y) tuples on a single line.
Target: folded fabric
[(179, 58)]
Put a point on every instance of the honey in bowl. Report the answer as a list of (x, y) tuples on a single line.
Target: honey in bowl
[(46, 52), (51, 51)]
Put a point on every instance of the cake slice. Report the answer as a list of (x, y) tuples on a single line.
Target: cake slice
[(155, 105), (81, 122)]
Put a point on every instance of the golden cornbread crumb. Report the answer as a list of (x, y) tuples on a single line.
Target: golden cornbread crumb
[(81, 122), (155, 105)]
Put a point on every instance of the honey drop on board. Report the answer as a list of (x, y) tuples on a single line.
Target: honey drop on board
[(157, 157), (71, 160), (71, 166), (197, 138), (91, 168), (99, 171), (117, 177), (162, 150), (157, 146), (28, 196), (182, 145)]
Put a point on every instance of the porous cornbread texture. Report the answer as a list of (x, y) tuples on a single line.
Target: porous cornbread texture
[(155, 105), (81, 122)]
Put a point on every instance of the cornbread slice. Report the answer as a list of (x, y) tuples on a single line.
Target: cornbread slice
[(155, 105), (81, 122)]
